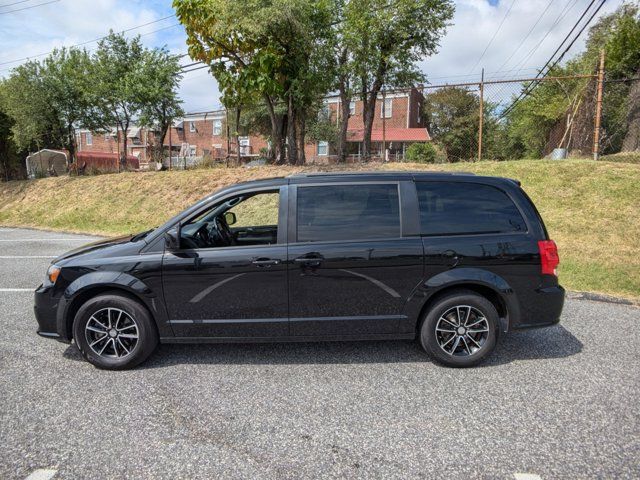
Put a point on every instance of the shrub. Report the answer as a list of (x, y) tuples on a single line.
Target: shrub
[(422, 153)]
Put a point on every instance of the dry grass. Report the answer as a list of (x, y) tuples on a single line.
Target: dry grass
[(591, 209)]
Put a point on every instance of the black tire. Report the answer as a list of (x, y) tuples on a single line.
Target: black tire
[(145, 330), (465, 354)]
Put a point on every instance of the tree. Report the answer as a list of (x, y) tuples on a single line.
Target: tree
[(10, 165), (160, 101), (276, 50), (452, 120), (386, 40), (119, 78), (47, 100)]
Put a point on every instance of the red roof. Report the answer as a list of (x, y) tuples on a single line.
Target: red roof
[(102, 155), (391, 135)]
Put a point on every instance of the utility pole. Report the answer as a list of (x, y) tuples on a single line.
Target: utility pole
[(170, 145), (598, 119), (481, 119), (384, 125)]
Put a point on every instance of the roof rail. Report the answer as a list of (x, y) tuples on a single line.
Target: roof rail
[(376, 172)]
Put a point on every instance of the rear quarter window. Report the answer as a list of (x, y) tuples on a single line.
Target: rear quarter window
[(458, 208)]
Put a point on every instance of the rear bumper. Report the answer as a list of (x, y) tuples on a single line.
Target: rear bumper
[(544, 310), (45, 310)]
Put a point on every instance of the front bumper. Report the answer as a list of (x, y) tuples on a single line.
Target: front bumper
[(45, 309)]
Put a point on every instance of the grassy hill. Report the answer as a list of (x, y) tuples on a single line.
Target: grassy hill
[(591, 209)]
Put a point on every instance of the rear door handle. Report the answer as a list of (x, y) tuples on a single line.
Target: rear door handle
[(308, 260), (265, 262)]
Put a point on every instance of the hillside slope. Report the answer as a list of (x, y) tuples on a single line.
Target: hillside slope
[(591, 209)]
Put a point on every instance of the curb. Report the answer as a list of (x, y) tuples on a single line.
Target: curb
[(601, 297)]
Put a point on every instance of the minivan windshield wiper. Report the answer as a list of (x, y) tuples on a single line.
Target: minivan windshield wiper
[(141, 235)]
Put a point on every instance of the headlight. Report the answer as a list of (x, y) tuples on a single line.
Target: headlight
[(52, 275)]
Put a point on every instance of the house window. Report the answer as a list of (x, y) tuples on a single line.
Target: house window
[(324, 112), (192, 151), (192, 127), (89, 138), (217, 127), (245, 145), (323, 148), (386, 108), (352, 108)]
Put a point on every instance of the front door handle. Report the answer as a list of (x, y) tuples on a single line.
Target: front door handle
[(265, 262)]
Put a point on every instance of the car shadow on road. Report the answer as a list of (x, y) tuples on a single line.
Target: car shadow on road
[(554, 342)]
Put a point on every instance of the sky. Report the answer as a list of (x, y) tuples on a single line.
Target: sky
[(509, 38)]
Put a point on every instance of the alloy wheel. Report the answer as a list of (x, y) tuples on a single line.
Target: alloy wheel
[(462, 330), (111, 332)]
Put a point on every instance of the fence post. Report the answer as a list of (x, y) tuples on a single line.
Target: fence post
[(598, 119), (481, 120)]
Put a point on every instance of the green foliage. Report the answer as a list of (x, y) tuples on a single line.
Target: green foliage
[(452, 121), (10, 164), (273, 51), (422, 153), (47, 99), (530, 124)]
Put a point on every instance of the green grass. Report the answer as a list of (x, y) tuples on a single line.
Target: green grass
[(591, 209)]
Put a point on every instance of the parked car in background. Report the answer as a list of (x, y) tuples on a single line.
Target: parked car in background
[(454, 260)]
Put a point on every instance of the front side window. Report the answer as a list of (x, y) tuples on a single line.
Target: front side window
[(248, 219), (89, 138), (347, 212), (458, 208), (352, 108), (192, 126)]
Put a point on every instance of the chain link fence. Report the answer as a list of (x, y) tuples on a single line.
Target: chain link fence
[(550, 117)]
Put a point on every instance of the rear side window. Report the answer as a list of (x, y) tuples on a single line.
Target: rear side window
[(347, 212), (457, 208)]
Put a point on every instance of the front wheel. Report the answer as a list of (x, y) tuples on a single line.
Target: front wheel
[(460, 329), (114, 332)]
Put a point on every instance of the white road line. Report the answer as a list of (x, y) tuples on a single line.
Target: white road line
[(527, 476), (42, 474), (5, 257), (17, 289), (47, 239)]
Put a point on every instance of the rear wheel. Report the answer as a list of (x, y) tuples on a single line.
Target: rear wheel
[(114, 332), (460, 329)]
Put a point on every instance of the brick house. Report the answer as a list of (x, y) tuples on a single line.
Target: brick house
[(396, 125), (139, 142)]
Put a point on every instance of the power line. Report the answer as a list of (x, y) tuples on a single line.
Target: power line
[(494, 36), (527, 35), (563, 13), (14, 3), (527, 91), (94, 40), (27, 8)]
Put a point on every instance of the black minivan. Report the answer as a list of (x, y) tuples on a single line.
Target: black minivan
[(452, 259)]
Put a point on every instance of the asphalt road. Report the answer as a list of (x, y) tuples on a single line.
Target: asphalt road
[(555, 403)]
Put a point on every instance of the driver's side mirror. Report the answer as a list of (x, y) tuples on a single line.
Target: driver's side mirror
[(230, 218), (172, 239)]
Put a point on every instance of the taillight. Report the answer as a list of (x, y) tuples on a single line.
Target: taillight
[(549, 258)]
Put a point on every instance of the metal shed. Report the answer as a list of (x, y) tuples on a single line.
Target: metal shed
[(46, 160)]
